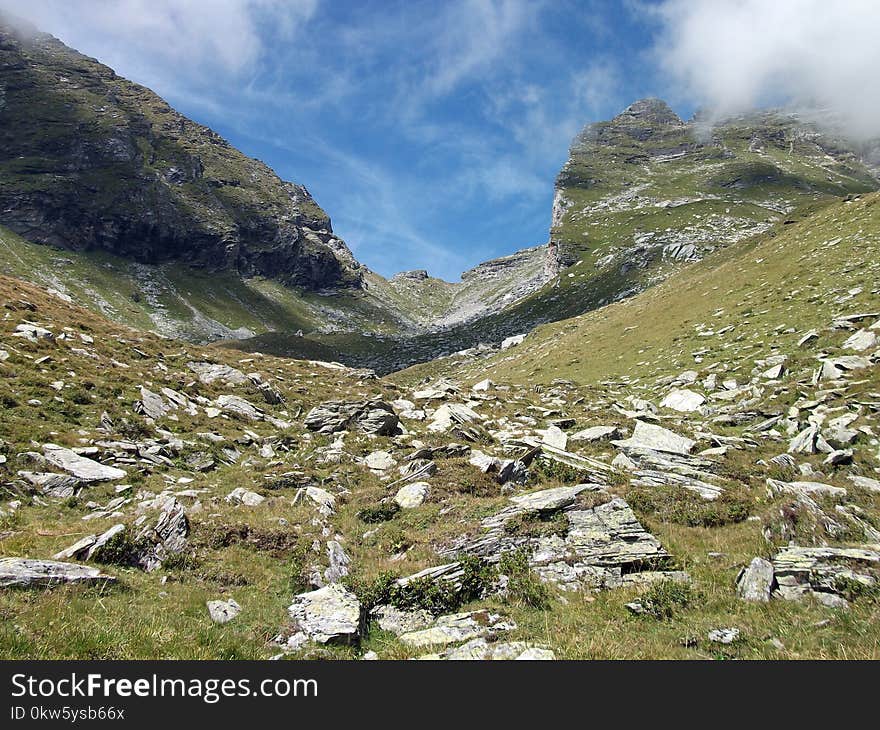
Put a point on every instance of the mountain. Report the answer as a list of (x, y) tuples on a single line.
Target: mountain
[(691, 472)]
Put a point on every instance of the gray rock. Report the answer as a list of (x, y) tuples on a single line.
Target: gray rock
[(240, 495), (556, 437), (803, 571), (369, 416), (239, 407), (458, 627), (684, 401), (151, 404), (27, 573), (84, 469), (724, 636), (223, 611), (647, 436), (53, 485), (755, 583), (95, 550), (380, 461), (398, 621), (329, 615), (825, 490), (412, 495), (596, 433), (339, 562), (872, 485), (209, 372), (861, 341)]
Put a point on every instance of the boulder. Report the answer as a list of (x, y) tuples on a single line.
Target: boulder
[(595, 433), (458, 627), (755, 583), (223, 611), (412, 495), (556, 437), (329, 615), (240, 495), (370, 416), (380, 461)]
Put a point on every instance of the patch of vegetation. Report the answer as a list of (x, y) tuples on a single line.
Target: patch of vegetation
[(853, 589), (382, 512), (437, 596), (663, 600), (121, 549), (523, 586), (537, 524), (684, 507)]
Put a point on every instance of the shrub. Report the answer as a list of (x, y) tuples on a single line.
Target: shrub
[(381, 512), (523, 586), (684, 507), (665, 598)]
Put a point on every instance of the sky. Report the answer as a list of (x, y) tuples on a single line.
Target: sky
[(431, 131)]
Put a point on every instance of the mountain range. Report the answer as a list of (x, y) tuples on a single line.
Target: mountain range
[(654, 435)]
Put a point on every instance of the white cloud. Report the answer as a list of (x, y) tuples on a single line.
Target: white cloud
[(164, 38), (736, 55)]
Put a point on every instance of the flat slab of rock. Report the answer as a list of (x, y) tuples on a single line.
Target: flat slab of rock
[(240, 495), (209, 372), (399, 621), (27, 573), (458, 627), (809, 488), (482, 650), (380, 461), (329, 615), (803, 571), (556, 437), (83, 468), (650, 437), (595, 433)]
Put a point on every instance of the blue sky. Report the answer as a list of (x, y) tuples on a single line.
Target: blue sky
[(431, 131)]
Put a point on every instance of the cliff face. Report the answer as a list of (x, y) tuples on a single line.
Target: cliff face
[(91, 161)]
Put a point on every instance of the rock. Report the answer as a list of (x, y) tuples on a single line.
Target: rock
[(723, 636), (339, 562), (240, 495), (200, 461), (84, 469), (547, 500), (329, 615), (872, 485), (825, 490), (756, 582), (412, 495), (61, 486), (684, 401), (370, 656), (33, 332), (95, 550), (151, 404), (513, 341), (418, 468), (775, 372), (27, 573), (398, 621), (803, 571), (451, 414), (380, 461), (482, 650), (556, 437), (458, 627), (861, 341), (209, 372), (369, 416), (596, 433), (168, 536), (325, 501), (239, 407), (831, 600), (484, 462), (78, 548), (809, 441), (839, 457), (483, 386), (223, 611), (647, 436)]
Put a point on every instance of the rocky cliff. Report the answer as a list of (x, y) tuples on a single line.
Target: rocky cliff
[(91, 161)]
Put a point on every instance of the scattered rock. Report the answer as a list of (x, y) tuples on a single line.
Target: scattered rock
[(755, 583), (412, 495), (648, 436), (684, 401), (329, 615), (223, 611), (27, 573), (84, 469)]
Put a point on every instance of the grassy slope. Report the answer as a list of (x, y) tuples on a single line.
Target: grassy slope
[(795, 278)]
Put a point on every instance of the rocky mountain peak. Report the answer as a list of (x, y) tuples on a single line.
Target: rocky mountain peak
[(651, 111)]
